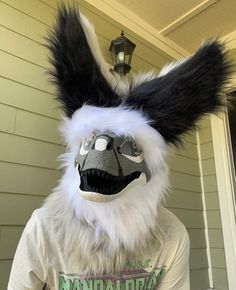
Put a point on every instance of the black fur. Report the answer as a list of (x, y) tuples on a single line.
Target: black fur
[(77, 75), (175, 101)]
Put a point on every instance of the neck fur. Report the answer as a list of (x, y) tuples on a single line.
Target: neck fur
[(94, 233), (103, 237)]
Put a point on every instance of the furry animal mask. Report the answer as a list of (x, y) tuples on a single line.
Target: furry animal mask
[(117, 133)]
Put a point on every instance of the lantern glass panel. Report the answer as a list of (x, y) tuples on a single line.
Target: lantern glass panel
[(119, 52)]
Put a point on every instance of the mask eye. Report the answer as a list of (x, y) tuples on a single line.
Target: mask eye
[(130, 150), (135, 150)]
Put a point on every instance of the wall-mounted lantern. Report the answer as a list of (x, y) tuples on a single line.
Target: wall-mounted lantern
[(122, 50)]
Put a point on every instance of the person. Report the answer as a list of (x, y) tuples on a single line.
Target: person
[(105, 226)]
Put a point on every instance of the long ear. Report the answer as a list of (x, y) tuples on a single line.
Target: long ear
[(176, 100), (77, 72)]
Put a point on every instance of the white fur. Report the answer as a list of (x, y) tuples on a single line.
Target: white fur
[(121, 227), (118, 84), (142, 77), (121, 121), (170, 66)]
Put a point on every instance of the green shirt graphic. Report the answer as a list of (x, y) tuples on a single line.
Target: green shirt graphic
[(130, 279)]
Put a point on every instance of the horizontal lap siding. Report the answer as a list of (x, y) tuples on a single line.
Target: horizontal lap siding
[(10, 236), (30, 144), (5, 266), (185, 201), (29, 117), (199, 279), (15, 209), (24, 150), (27, 179), (21, 96), (215, 234)]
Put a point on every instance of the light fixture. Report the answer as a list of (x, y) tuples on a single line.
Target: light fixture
[(121, 50)]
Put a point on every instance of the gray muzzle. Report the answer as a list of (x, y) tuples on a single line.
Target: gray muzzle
[(107, 164)]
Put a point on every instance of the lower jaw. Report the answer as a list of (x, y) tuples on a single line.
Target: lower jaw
[(98, 197)]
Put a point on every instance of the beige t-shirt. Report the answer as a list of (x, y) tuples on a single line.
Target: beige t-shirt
[(39, 263)]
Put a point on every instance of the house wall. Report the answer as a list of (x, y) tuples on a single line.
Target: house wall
[(29, 118), (185, 201), (28, 122), (212, 208)]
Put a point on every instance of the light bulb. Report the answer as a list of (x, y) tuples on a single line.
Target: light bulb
[(121, 56)]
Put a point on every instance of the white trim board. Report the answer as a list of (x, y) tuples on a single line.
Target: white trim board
[(208, 251), (225, 185), (187, 16)]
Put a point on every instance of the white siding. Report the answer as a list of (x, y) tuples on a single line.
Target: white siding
[(30, 145), (217, 253)]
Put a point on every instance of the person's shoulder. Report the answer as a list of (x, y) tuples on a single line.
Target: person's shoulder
[(38, 215), (171, 226), (38, 221)]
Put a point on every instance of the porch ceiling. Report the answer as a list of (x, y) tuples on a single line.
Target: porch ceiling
[(186, 22)]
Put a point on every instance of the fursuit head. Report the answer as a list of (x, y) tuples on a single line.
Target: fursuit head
[(117, 134)]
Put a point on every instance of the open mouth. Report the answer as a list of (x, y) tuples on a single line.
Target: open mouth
[(95, 180)]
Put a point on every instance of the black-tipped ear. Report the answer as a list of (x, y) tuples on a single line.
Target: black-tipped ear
[(175, 101), (76, 73)]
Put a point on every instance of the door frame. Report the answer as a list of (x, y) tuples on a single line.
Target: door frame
[(226, 189)]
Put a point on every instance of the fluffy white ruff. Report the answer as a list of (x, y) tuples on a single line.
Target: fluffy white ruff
[(126, 220), (124, 225), (122, 122), (104, 237)]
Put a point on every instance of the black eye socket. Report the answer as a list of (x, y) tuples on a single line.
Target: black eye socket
[(109, 146)]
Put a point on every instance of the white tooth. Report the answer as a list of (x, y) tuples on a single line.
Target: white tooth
[(136, 159)]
